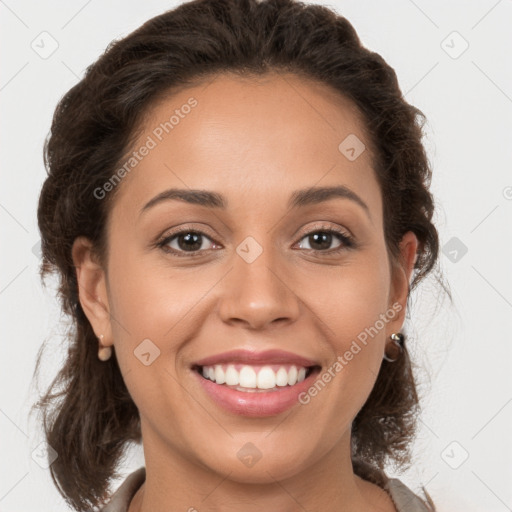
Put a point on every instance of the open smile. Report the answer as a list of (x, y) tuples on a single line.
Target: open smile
[(255, 390)]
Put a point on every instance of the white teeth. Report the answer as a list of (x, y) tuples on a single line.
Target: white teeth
[(265, 378), (232, 377), (282, 377), (247, 377), (220, 376), (292, 376)]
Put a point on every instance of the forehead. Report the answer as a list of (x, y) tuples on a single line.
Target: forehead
[(251, 138)]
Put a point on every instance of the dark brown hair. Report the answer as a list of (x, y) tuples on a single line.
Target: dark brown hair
[(89, 417)]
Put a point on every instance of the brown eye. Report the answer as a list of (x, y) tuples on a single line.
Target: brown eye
[(321, 240), (185, 241)]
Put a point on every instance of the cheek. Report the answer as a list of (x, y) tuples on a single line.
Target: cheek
[(144, 306), (148, 300), (351, 298), (352, 302), (148, 311)]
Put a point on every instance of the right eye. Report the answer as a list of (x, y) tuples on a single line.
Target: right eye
[(185, 241)]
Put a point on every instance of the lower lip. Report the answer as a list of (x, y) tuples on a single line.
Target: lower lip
[(258, 403)]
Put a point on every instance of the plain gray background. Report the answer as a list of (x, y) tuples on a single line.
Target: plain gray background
[(453, 62)]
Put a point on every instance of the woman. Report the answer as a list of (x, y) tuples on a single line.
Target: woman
[(238, 208)]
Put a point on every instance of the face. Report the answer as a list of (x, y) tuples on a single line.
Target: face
[(283, 283)]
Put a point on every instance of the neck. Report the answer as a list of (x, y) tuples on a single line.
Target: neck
[(176, 483)]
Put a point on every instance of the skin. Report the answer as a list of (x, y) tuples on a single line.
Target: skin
[(255, 141)]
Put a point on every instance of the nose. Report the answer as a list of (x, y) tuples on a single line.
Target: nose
[(258, 294)]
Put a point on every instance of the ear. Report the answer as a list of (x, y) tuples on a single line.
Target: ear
[(92, 289), (401, 278)]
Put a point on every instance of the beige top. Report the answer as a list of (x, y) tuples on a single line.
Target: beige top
[(403, 498)]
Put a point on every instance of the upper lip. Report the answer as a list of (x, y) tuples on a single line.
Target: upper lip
[(252, 357)]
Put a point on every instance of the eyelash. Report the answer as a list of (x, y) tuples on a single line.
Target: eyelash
[(348, 242)]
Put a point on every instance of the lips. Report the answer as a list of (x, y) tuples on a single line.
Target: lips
[(257, 358), (255, 383)]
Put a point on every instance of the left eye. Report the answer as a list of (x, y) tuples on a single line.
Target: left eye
[(323, 239)]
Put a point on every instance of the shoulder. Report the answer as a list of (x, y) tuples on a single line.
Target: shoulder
[(404, 499), (120, 500)]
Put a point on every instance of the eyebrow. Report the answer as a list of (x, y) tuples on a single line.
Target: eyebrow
[(298, 199)]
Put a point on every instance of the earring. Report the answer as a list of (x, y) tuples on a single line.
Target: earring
[(104, 353), (398, 341)]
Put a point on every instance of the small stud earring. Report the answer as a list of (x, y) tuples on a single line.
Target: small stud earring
[(104, 353)]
